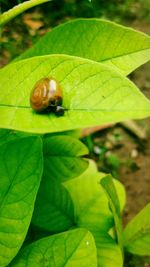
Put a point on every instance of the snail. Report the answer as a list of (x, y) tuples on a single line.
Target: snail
[(47, 96)]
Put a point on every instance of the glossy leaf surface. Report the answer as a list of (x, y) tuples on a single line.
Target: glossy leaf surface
[(93, 94)]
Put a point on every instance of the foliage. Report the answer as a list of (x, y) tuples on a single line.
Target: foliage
[(20, 179), (82, 38), (137, 233), (59, 250), (47, 187)]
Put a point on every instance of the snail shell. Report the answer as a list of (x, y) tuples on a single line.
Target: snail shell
[(47, 96)]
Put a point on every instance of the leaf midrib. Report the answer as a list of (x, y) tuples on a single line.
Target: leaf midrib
[(94, 20), (122, 55), (73, 109), (70, 256)]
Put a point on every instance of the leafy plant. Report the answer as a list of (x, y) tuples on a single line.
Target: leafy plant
[(56, 208)]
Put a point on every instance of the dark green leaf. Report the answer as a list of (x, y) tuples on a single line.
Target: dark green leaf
[(9, 135)]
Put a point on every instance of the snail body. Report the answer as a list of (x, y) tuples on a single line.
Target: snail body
[(47, 96)]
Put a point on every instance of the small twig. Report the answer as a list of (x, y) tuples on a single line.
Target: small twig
[(13, 12)]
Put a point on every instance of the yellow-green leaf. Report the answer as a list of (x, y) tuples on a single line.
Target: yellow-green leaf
[(121, 47), (93, 94)]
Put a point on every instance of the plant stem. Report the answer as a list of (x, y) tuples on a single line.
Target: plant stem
[(13, 12)]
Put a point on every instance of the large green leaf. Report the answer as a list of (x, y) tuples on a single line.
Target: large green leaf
[(137, 233), (62, 157), (70, 249), (92, 212), (93, 94), (20, 173), (120, 47)]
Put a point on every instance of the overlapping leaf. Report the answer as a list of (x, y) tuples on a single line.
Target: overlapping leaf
[(54, 209), (93, 94), (90, 201), (114, 45), (20, 173), (71, 249), (92, 212)]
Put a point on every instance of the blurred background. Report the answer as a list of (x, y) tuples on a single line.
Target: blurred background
[(122, 149)]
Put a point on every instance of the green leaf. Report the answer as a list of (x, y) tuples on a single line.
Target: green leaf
[(53, 209), (74, 133), (111, 193), (137, 233), (16, 10), (92, 212), (114, 45), (70, 249), (108, 251), (6, 136), (62, 157), (90, 201), (20, 173), (9, 135), (93, 94)]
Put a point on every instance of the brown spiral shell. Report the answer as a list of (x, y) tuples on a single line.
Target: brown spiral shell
[(46, 95)]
